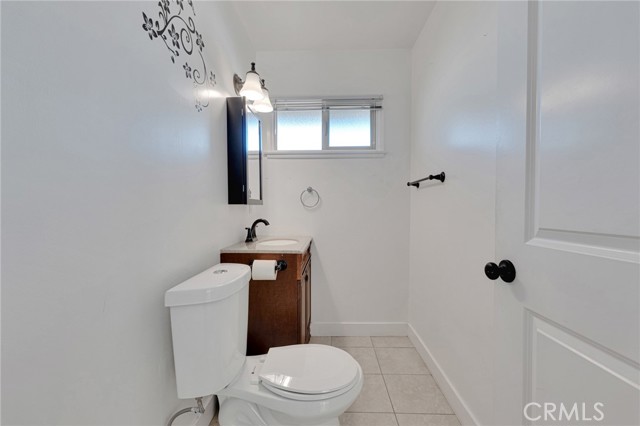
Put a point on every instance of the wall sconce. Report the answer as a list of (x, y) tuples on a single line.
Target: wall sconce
[(264, 104), (253, 89)]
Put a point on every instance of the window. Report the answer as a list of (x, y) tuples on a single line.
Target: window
[(299, 130), (330, 124)]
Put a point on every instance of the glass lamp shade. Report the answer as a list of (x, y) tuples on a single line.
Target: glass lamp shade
[(264, 104), (251, 89)]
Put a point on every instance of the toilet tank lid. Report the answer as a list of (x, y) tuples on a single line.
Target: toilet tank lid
[(216, 283)]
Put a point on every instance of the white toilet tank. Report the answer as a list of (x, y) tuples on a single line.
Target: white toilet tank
[(209, 314)]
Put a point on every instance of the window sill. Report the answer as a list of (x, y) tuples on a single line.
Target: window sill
[(351, 153)]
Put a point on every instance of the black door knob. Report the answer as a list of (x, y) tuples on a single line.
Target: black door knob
[(504, 270)]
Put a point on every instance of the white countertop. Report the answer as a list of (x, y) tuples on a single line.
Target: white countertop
[(301, 246)]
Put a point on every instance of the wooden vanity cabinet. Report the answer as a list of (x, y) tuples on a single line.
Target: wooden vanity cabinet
[(280, 310)]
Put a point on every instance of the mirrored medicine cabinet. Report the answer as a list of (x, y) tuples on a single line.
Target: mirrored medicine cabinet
[(244, 153)]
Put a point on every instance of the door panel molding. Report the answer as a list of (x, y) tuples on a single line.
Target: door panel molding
[(532, 121), (612, 246), (618, 376), (617, 247)]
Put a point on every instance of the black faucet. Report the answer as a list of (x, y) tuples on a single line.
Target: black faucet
[(251, 232)]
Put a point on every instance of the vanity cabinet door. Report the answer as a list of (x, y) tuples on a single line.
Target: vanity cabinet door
[(305, 304)]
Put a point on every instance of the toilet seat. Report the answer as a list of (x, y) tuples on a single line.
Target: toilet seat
[(247, 396), (308, 372), (309, 396)]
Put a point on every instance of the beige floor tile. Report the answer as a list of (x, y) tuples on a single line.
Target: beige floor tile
[(367, 359), (416, 394), (368, 419), (373, 397), (321, 340), (214, 421), (391, 342), (427, 420), (400, 361), (351, 341)]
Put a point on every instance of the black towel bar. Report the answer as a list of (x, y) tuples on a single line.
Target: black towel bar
[(416, 183)]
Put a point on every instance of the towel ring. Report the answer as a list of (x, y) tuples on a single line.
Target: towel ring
[(310, 190)]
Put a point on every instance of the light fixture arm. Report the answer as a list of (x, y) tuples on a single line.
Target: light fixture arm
[(237, 83)]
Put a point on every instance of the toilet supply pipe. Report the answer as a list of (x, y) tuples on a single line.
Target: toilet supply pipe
[(195, 410)]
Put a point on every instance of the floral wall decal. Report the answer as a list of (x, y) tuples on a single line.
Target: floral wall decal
[(178, 32)]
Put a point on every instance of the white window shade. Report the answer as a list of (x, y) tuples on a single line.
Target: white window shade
[(369, 102)]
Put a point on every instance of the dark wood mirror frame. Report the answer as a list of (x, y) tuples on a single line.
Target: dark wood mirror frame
[(238, 155)]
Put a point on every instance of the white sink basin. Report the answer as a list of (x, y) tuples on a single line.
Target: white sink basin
[(296, 244), (275, 243)]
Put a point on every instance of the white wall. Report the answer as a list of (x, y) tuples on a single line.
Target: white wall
[(113, 191), (361, 229), (452, 225)]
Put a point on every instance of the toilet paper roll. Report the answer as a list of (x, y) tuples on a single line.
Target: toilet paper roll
[(264, 270)]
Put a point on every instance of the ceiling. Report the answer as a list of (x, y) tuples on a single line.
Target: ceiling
[(333, 25)]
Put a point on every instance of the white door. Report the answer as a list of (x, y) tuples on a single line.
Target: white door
[(568, 177)]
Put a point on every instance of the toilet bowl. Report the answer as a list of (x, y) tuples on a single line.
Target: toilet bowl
[(291, 385), (252, 399)]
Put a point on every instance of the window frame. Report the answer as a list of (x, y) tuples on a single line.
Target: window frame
[(326, 105)]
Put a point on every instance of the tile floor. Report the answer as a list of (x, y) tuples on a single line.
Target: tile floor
[(398, 388)]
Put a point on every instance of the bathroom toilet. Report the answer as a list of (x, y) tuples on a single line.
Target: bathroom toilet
[(290, 385)]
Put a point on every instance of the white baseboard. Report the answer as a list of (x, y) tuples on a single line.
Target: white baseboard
[(458, 405), (359, 329)]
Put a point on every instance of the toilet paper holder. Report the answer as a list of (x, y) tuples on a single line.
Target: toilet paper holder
[(266, 269)]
